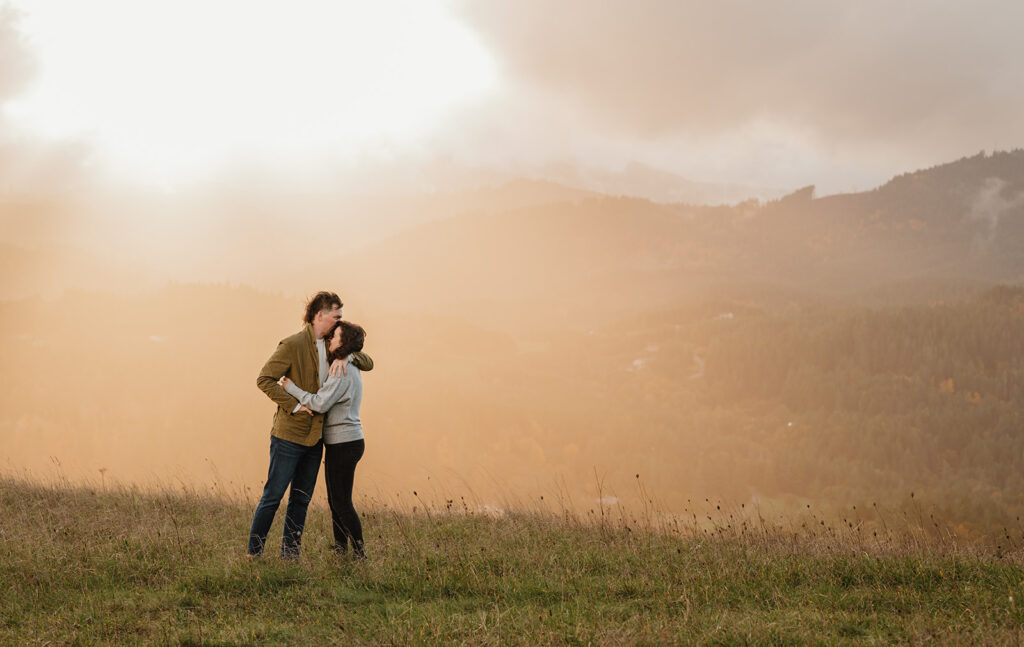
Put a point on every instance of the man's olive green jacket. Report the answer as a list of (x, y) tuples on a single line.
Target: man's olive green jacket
[(297, 358)]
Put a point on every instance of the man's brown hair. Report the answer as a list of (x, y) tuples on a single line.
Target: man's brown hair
[(321, 301)]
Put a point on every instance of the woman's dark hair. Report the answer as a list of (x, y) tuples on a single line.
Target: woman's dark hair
[(352, 337), (321, 301)]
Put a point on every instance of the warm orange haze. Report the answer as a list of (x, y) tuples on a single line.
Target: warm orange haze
[(588, 252), (423, 322)]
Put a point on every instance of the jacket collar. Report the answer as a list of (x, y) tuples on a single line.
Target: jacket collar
[(308, 328), (314, 355)]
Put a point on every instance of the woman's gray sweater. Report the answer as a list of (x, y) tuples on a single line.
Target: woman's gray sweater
[(340, 397)]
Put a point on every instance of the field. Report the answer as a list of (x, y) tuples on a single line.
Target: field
[(116, 565)]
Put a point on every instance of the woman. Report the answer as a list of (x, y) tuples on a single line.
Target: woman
[(340, 397)]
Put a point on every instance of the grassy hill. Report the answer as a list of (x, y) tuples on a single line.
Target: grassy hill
[(95, 566)]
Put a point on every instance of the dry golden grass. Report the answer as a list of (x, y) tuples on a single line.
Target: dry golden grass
[(116, 565)]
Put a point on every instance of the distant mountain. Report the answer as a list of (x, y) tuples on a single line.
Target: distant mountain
[(643, 181), (958, 221), (447, 175), (566, 263), (942, 232), (530, 249)]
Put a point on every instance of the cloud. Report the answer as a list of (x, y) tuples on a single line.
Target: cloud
[(925, 79), (17, 65), (28, 164), (988, 207)]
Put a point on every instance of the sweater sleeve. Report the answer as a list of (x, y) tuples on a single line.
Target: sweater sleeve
[(334, 390)]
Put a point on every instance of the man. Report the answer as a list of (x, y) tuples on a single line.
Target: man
[(296, 446)]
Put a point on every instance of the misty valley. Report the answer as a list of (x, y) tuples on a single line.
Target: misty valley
[(847, 350)]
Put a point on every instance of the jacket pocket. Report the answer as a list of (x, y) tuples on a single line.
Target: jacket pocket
[(297, 423)]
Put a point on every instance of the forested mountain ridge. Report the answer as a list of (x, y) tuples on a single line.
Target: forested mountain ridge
[(962, 220), (935, 234)]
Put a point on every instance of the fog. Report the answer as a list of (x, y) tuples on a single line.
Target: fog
[(530, 340), (486, 330), (554, 269)]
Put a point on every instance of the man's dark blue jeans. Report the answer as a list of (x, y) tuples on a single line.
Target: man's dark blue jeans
[(290, 463)]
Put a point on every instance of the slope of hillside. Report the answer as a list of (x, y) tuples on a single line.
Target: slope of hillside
[(561, 263), (952, 228), (112, 566), (958, 221)]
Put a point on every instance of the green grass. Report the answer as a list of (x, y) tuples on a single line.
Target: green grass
[(82, 566)]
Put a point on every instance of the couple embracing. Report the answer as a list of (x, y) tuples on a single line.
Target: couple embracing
[(315, 379)]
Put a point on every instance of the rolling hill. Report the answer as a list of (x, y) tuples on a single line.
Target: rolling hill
[(935, 234)]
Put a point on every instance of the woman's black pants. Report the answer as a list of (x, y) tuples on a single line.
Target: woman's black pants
[(339, 473)]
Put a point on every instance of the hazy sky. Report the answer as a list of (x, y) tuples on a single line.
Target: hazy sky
[(782, 94)]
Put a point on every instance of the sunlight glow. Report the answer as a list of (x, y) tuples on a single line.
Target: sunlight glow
[(167, 91)]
